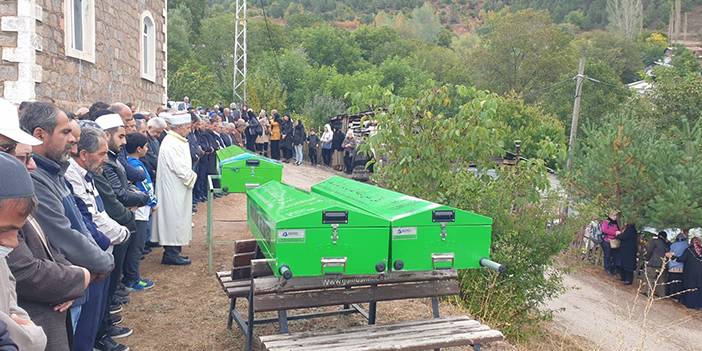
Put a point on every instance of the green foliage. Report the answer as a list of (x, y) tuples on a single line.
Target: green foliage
[(265, 92), (329, 46), (677, 96), (457, 127), (522, 52), (214, 50), (320, 109), (622, 55), (196, 80)]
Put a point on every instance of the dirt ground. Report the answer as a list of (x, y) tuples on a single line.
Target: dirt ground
[(187, 309), (602, 314)]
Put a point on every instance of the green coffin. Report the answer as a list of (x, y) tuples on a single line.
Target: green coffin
[(312, 235), (424, 235), (240, 169)]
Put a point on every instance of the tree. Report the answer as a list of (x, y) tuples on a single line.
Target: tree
[(522, 52), (611, 49), (625, 16), (196, 81), (178, 37), (215, 49), (456, 127), (617, 164), (677, 95), (329, 46), (265, 92), (424, 24), (318, 110)]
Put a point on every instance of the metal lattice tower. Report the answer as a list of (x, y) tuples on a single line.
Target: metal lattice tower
[(239, 84)]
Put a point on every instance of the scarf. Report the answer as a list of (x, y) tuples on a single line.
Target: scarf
[(697, 246)]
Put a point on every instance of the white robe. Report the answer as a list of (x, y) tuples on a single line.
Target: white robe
[(175, 180)]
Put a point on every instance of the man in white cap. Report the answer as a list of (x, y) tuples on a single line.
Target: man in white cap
[(175, 180), (10, 132)]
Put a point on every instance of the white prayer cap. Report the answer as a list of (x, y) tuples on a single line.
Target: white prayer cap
[(179, 119), (110, 121), (10, 126)]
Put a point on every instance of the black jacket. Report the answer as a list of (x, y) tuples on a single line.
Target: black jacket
[(299, 135), (692, 272), (114, 208), (338, 140), (150, 160), (286, 128), (126, 193), (629, 247), (655, 251)]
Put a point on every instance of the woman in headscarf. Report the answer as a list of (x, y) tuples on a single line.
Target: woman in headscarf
[(349, 145), (338, 153), (655, 264), (675, 268), (326, 141), (692, 274), (263, 139), (610, 230), (627, 252), (275, 135), (286, 143)]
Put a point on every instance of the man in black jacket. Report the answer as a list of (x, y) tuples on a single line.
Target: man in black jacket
[(127, 196)]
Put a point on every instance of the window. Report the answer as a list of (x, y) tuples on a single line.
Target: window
[(79, 25), (148, 47)]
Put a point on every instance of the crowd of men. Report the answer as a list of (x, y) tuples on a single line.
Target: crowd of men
[(83, 197)]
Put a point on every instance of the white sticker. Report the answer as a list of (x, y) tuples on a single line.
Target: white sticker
[(291, 234), (404, 233)]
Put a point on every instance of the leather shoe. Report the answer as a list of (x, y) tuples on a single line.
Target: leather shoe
[(175, 261)]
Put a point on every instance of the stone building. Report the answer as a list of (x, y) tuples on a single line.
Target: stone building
[(76, 52)]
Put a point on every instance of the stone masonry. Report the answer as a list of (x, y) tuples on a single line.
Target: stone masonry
[(71, 82)]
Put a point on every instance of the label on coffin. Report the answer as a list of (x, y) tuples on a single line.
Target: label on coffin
[(292, 235), (404, 233)]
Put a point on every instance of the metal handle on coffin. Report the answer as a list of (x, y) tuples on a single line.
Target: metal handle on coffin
[(487, 263), (251, 185), (333, 262), (442, 257)]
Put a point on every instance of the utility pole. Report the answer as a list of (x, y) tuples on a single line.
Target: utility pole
[(574, 123), (240, 58)]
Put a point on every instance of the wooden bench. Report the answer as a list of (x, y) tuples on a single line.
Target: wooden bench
[(251, 277), (416, 335)]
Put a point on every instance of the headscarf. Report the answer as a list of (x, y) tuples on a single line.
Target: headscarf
[(697, 245)]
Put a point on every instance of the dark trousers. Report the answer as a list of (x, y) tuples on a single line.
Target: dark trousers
[(250, 141), (91, 316), (313, 155), (348, 161), (275, 149), (608, 258), (627, 276), (119, 252), (675, 285), (287, 153), (134, 252), (327, 156), (171, 251), (201, 182)]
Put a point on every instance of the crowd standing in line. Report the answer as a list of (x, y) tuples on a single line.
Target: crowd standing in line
[(87, 194), (668, 269)]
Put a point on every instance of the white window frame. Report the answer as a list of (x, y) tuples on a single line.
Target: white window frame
[(88, 26), (147, 42)]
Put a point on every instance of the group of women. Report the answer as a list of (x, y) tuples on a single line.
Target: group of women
[(672, 269)]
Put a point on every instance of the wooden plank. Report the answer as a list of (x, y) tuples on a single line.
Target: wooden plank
[(242, 246), (415, 335), (277, 285), (237, 284), (397, 325), (238, 291), (427, 342), (409, 340), (306, 299), (243, 259), (373, 332), (224, 274), (261, 268), (241, 273)]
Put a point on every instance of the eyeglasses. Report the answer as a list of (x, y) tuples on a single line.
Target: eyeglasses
[(8, 148), (26, 158)]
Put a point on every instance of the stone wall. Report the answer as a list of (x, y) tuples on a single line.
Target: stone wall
[(8, 70), (115, 75)]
